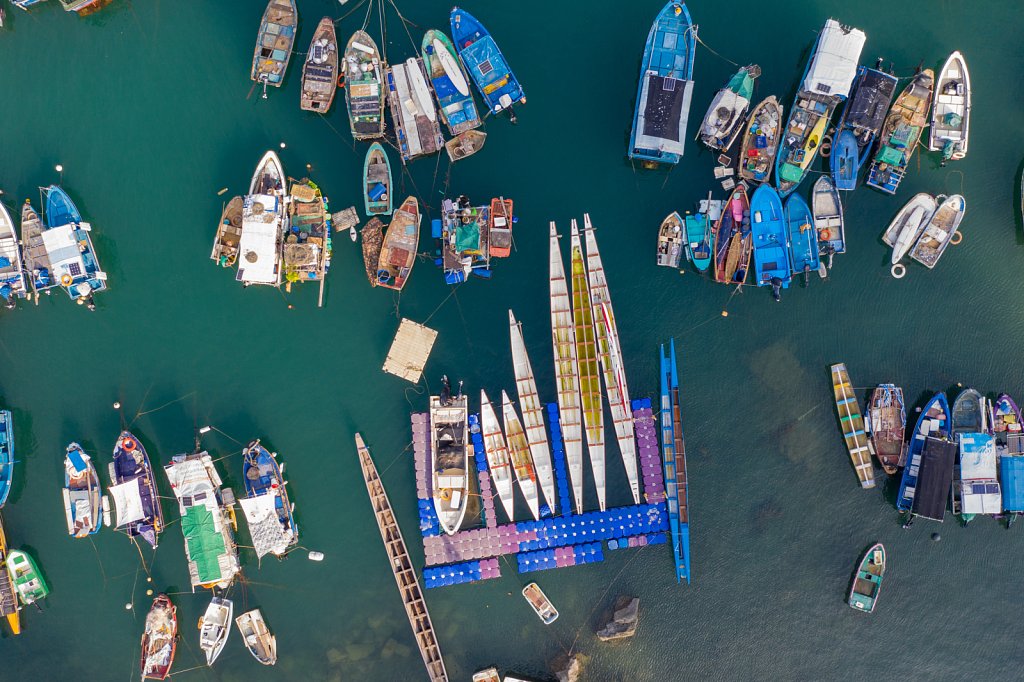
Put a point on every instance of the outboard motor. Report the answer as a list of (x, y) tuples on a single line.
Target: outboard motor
[(776, 289)]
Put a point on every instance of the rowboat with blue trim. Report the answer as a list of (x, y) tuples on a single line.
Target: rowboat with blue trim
[(827, 211), (851, 420), (803, 238), (81, 493), (274, 43), (12, 271), (377, 181), (867, 583), (6, 454)]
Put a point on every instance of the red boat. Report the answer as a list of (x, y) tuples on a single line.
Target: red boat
[(887, 424), (160, 639), (499, 228)]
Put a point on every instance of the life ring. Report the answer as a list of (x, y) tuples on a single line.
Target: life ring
[(898, 270), (341, 81), (128, 444), (66, 279), (383, 276), (825, 148), (446, 494), (958, 236), (825, 234)]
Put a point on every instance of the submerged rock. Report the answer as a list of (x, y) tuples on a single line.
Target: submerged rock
[(571, 669), (623, 622)]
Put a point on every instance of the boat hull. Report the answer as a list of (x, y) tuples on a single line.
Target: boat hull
[(733, 239), (485, 62), (900, 133), (770, 238), (827, 211), (274, 42), (377, 181), (934, 420), (951, 109), (938, 232), (365, 90), (867, 582), (320, 71), (399, 250), (803, 238)]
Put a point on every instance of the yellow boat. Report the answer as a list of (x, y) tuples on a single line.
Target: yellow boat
[(852, 421), (8, 598)]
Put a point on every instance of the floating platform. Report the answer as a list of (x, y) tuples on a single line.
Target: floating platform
[(410, 350)]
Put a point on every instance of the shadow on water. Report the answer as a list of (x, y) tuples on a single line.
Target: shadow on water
[(24, 450)]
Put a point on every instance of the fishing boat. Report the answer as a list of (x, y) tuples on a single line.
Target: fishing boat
[(258, 640), (497, 453), (306, 252), (159, 639), (673, 448), (450, 83), (886, 424), (827, 212), (1006, 425), (670, 240), (939, 230), (373, 236), (906, 227), (417, 130), (609, 352), (975, 490), (724, 119), (67, 241), (449, 456), (499, 227), (267, 508), (934, 422), (34, 251), (733, 239), (803, 238), (852, 422), (229, 231), (214, 628), (6, 455), (12, 270), (533, 412), (951, 111), (264, 222), (465, 144), (398, 252), (274, 43), (970, 413), (84, 7), (28, 579), (771, 243), (666, 87), (761, 141), (540, 603), (464, 234), (320, 71), (826, 83), (81, 493), (934, 480), (519, 455), (901, 132), (9, 607), (567, 370), (867, 583), (487, 66), (859, 124), (377, 181), (364, 87), (698, 240), (134, 490)]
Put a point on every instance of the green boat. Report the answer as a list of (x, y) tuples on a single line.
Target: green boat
[(28, 581), (867, 584), (377, 181)]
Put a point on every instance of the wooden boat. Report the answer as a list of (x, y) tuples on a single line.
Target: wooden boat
[(770, 239), (934, 421), (803, 238), (465, 144), (306, 251), (1006, 423), (229, 232), (28, 579), (499, 227), (485, 62), (674, 460), (827, 212), (901, 132), (159, 639), (728, 109), (670, 240), (274, 43), (268, 510), (887, 424), (486, 675), (609, 352), (859, 124), (939, 230), (852, 423), (698, 240), (377, 181), (843, 160), (951, 110), (496, 451), (907, 226), (12, 270), (450, 83), (258, 640), (761, 141), (417, 130), (373, 235), (34, 253), (533, 413), (364, 87), (320, 71), (733, 239), (81, 493), (8, 595), (567, 370), (134, 491), (72, 256), (449, 456), (519, 455), (540, 603), (970, 413), (214, 628), (6, 455), (867, 583), (264, 216), (398, 252), (587, 361)]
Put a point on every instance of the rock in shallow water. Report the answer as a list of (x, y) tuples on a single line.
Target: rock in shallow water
[(624, 621)]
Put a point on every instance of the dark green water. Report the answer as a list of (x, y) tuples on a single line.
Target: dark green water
[(145, 106)]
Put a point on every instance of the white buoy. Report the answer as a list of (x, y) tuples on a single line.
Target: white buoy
[(59, 168), (128, 606), (149, 593), (283, 145), (316, 556), (117, 406)]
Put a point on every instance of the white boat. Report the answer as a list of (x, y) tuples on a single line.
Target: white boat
[(519, 454), (607, 335), (906, 227), (81, 493), (12, 272), (214, 628), (827, 214), (451, 68), (497, 455), (264, 214), (540, 603), (258, 640), (951, 109), (449, 456), (939, 231), (419, 88), (724, 118), (412, 111), (533, 413)]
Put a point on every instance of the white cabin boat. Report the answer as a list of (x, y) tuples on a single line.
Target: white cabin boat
[(449, 457), (264, 217)]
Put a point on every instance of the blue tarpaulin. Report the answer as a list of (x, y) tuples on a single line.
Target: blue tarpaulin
[(1011, 471)]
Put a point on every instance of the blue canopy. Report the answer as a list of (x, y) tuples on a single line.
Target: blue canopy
[(1011, 473)]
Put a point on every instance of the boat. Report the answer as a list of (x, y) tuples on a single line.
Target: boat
[(487, 66), (951, 110), (1011, 475), (159, 639), (970, 413), (465, 144), (859, 124), (761, 141), (939, 230), (34, 251), (82, 493), (377, 181), (258, 640), (803, 238), (867, 583), (698, 240), (214, 628), (975, 489), (464, 236), (907, 226), (449, 456), (934, 480), (728, 110), (533, 413), (486, 675), (398, 252), (567, 369), (1006, 425), (28, 579), (84, 7), (6, 455), (373, 235), (670, 240), (364, 87), (12, 270), (673, 448), (499, 227), (320, 71), (417, 130), (264, 223), (133, 489), (496, 450), (587, 361), (609, 352), (827, 212), (934, 421), (274, 43), (826, 82), (771, 243), (450, 83), (66, 238), (851, 421), (901, 132), (9, 607), (733, 239), (519, 455), (267, 508), (886, 424), (229, 231), (25, 4), (540, 603), (306, 252), (665, 89)]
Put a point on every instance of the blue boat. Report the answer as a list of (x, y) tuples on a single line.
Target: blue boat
[(673, 449), (698, 240), (844, 161), (771, 246), (6, 454), (859, 124), (266, 505), (666, 86), (133, 489), (450, 82), (803, 238), (68, 246), (1011, 474), (487, 66), (934, 421)]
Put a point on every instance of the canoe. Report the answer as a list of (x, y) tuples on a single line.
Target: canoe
[(970, 413), (908, 224), (134, 491), (373, 235), (398, 252), (900, 133), (449, 456), (28, 579), (519, 455), (266, 503), (264, 217), (951, 110), (887, 424), (12, 270), (499, 227), (214, 628), (540, 603), (728, 109), (81, 493), (274, 43), (771, 243), (843, 160), (256, 636), (934, 421), (71, 254), (673, 447), (1006, 422), (533, 412), (229, 232), (733, 239), (159, 639), (485, 62), (761, 141), (320, 71), (496, 451), (465, 144), (698, 241), (939, 231), (851, 421), (377, 181), (860, 122), (867, 583), (670, 240), (827, 212), (9, 607), (364, 87), (450, 83), (6, 455), (417, 131), (803, 238)]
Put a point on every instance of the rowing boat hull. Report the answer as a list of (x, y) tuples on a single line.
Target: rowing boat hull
[(733, 239), (496, 451), (803, 238), (887, 418), (401, 241), (519, 455), (761, 141), (867, 583), (274, 42), (533, 413), (938, 233), (827, 211), (851, 421), (364, 87), (377, 176)]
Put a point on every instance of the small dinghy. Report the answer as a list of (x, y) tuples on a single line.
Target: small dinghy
[(670, 240), (938, 232), (398, 252), (724, 119), (377, 181), (160, 639), (28, 579), (540, 603), (698, 240), (761, 141), (274, 43), (465, 144), (844, 160), (868, 582), (803, 239), (320, 72), (214, 628), (827, 212), (81, 493), (229, 233), (258, 640), (951, 110), (906, 227)]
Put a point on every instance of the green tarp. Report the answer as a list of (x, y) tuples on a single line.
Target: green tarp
[(891, 156), (205, 544), (467, 237), (742, 84), (791, 173)]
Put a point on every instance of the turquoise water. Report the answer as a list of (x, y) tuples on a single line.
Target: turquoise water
[(145, 105)]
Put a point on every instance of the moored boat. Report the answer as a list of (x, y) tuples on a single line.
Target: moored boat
[(975, 489), (306, 251), (449, 456), (803, 238), (67, 240), (725, 116), (229, 231), (698, 240), (81, 493), (365, 91), (867, 583), (843, 160), (533, 413), (901, 132), (761, 141), (35, 255), (939, 230), (28, 579), (268, 510), (497, 453), (485, 62), (499, 227), (377, 181), (417, 131), (887, 424), (771, 243), (934, 421), (372, 235), (827, 212), (733, 239), (465, 144), (540, 603), (257, 637), (673, 447), (159, 639), (951, 110), (274, 43), (398, 252), (320, 71), (906, 227), (450, 83), (9, 607), (970, 413), (852, 422), (264, 222), (670, 240), (861, 120), (6, 455), (12, 270), (1006, 424), (134, 491), (519, 455), (214, 628)]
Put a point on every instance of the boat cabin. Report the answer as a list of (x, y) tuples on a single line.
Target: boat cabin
[(935, 477), (977, 489)]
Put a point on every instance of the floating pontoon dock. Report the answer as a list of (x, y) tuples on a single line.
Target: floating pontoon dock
[(410, 350)]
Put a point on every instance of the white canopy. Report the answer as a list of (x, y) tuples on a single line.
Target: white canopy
[(979, 489), (264, 526), (193, 478), (127, 502), (834, 64), (61, 246), (258, 253)]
